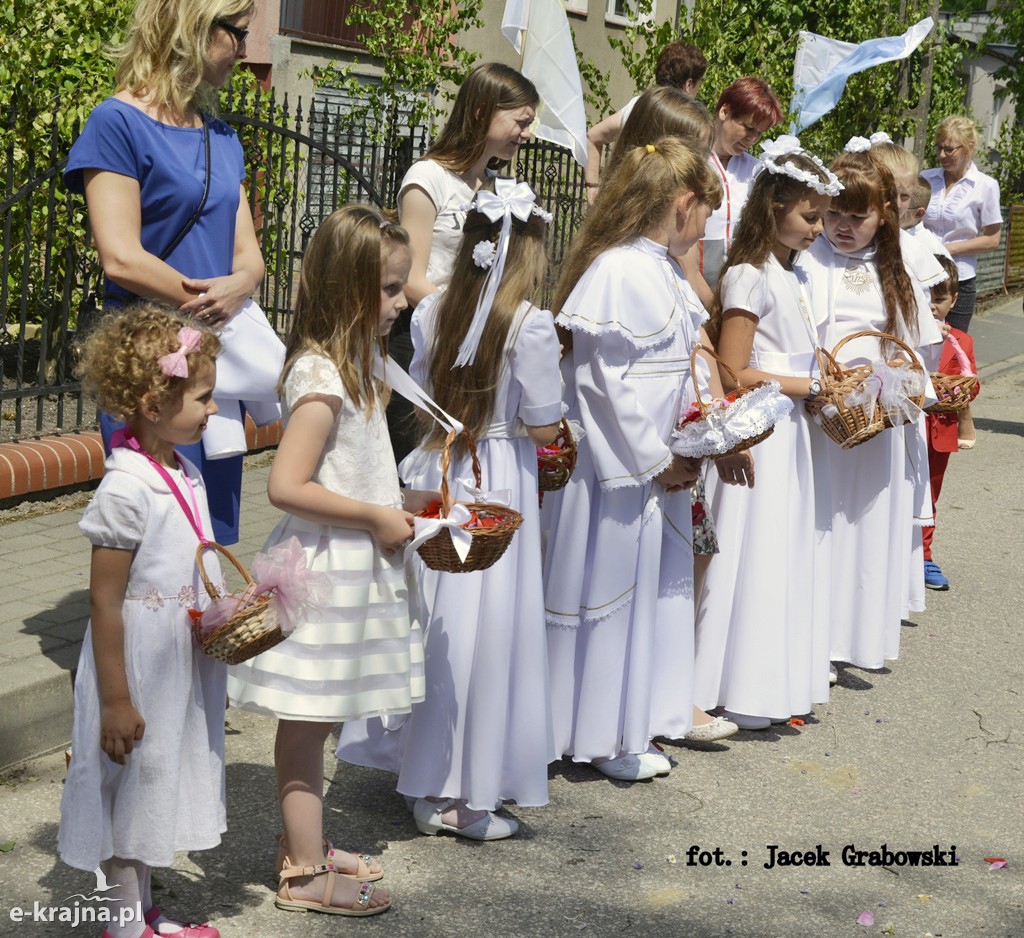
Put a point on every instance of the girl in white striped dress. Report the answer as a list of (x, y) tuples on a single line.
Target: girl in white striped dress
[(360, 654)]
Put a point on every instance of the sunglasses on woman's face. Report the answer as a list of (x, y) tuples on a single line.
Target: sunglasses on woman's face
[(239, 34), (949, 151)]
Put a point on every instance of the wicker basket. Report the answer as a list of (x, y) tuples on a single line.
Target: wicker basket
[(488, 544), (252, 629), (953, 391), (850, 426), (705, 409), (555, 469)]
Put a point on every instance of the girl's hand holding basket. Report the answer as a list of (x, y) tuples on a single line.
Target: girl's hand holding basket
[(732, 424), (856, 403)]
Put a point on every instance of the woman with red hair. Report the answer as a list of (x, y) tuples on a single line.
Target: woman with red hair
[(746, 110)]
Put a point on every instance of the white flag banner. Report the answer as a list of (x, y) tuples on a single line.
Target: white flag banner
[(539, 31), (823, 65)]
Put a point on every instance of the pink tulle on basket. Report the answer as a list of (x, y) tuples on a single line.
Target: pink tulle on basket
[(282, 572)]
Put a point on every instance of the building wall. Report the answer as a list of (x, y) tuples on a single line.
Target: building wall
[(290, 58), (985, 102)]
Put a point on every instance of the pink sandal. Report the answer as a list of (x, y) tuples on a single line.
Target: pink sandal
[(191, 930)]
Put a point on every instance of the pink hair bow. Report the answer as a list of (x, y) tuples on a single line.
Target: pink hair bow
[(175, 364)]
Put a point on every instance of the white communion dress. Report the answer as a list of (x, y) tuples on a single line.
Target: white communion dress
[(618, 572), (169, 794), (483, 733), (762, 637), (872, 485)]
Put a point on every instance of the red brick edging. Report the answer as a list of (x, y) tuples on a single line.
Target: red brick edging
[(64, 459)]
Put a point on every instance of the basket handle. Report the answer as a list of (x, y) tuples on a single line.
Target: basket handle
[(446, 464), (880, 335), (213, 545), (704, 408)]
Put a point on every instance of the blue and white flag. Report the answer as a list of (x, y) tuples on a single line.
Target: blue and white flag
[(539, 30), (823, 65)]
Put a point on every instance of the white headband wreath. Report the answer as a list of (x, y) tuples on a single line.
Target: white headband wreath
[(508, 198), (863, 144), (775, 152)]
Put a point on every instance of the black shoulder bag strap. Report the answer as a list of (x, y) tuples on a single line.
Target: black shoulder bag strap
[(190, 224)]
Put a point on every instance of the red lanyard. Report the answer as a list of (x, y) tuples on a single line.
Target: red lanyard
[(728, 205), (126, 438)]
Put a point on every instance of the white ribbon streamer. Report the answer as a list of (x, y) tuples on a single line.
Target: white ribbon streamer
[(390, 372), (509, 198), (426, 528)]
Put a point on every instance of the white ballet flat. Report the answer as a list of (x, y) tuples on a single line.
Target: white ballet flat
[(627, 768), (747, 721), (427, 815), (657, 759), (718, 728)]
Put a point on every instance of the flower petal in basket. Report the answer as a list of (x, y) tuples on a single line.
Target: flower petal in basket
[(729, 424), (426, 528)]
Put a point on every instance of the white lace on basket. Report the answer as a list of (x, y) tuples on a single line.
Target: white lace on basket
[(724, 427)]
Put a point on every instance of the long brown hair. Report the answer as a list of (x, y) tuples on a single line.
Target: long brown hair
[(337, 310), (868, 184), (468, 392), (488, 88), (635, 197), (756, 231)]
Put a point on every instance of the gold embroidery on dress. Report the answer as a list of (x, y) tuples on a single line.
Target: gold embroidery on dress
[(857, 279)]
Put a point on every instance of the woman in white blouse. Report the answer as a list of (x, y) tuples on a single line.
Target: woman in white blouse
[(964, 209)]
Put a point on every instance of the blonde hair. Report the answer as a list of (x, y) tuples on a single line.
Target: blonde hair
[(921, 195), (661, 112), (489, 88), (120, 359), (164, 54), (337, 308), (468, 393), (895, 158), (635, 197), (957, 128)]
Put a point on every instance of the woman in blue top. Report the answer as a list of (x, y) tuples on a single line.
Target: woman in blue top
[(143, 160)]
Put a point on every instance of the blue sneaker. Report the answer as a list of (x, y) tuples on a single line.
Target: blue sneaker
[(933, 578)]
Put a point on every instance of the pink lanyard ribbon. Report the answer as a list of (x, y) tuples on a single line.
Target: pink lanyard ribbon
[(126, 438)]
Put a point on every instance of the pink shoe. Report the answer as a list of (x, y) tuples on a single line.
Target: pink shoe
[(206, 930)]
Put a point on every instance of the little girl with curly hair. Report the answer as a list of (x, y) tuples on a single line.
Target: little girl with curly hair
[(147, 777)]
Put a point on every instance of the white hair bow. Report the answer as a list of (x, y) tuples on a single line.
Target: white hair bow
[(787, 143), (857, 145), (508, 198)]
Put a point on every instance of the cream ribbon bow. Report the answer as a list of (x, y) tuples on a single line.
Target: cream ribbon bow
[(509, 198)]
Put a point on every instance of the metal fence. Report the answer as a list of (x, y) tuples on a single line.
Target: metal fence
[(301, 165)]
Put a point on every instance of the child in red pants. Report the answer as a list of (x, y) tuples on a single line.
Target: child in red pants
[(942, 428)]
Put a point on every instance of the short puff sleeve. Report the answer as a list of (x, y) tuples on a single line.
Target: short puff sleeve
[(311, 374), (744, 287), (117, 515)]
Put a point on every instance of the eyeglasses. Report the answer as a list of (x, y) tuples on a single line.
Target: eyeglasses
[(949, 151), (240, 34)]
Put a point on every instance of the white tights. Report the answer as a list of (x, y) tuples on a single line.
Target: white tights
[(132, 881)]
